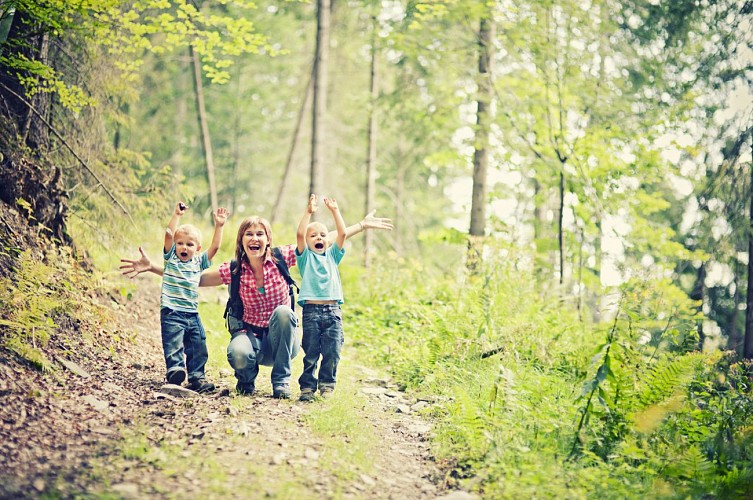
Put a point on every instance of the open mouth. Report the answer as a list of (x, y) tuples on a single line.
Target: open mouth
[(184, 255), (319, 246), (254, 248)]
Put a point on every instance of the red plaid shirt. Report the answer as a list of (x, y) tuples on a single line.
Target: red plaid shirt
[(258, 306)]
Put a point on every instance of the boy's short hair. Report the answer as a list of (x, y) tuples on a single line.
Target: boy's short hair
[(190, 230), (316, 223)]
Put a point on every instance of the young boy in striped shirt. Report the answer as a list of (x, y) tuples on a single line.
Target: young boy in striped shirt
[(184, 341)]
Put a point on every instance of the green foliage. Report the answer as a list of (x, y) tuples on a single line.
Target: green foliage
[(518, 380), (30, 300), (125, 31)]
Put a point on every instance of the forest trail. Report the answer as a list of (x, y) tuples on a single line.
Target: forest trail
[(99, 426)]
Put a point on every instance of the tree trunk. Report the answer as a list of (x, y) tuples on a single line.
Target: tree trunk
[(293, 146), (30, 41), (321, 60), (481, 152), (748, 344), (371, 150), (560, 226), (733, 335), (236, 144), (206, 141)]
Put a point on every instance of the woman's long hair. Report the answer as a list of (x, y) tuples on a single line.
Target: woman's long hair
[(240, 252)]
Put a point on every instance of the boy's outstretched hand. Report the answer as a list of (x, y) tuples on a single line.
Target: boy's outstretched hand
[(133, 268), (371, 222)]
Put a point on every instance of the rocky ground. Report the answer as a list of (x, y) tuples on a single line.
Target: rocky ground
[(100, 424)]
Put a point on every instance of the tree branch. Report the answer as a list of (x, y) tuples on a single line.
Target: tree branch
[(69, 148)]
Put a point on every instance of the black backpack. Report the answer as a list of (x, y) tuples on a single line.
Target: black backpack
[(234, 308)]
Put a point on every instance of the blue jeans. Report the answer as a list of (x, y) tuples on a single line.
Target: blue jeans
[(184, 343), (278, 346), (322, 335)]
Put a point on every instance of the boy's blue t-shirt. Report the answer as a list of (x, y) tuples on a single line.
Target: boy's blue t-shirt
[(180, 281), (320, 279)]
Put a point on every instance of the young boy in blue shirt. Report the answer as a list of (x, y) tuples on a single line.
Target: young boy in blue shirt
[(320, 296), (184, 341)]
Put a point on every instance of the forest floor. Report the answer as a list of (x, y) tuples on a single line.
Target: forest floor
[(98, 425)]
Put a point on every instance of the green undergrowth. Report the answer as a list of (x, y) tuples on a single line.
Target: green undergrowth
[(39, 298), (533, 402)]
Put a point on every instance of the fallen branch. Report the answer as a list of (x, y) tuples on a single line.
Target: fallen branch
[(492, 352), (69, 148)]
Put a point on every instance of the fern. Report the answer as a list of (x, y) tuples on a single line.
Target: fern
[(29, 299), (668, 377), (691, 465)]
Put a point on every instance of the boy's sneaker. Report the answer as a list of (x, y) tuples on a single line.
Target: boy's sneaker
[(245, 390), (326, 392), (307, 395), (281, 392), (176, 376), (201, 386)]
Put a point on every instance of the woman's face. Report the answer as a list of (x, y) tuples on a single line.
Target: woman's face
[(255, 241)]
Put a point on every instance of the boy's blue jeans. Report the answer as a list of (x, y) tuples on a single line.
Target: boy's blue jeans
[(322, 336), (184, 343), (277, 348)]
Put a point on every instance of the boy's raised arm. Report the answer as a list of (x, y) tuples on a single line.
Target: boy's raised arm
[(339, 221), (300, 234), (368, 222), (220, 218), (180, 209)]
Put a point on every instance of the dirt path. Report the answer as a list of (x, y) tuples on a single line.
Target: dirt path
[(98, 425)]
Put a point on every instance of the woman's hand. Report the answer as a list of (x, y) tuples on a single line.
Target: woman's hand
[(133, 268), (371, 222)]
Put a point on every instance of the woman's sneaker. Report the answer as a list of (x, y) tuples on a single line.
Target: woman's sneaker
[(201, 386)]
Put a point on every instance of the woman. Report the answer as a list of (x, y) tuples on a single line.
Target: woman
[(268, 337)]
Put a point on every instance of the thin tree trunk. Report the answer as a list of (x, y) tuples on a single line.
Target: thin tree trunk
[(321, 60), (40, 101), (733, 341), (748, 344), (236, 144), (560, 225), (481, 152), (203, 127), (293, 146), (371, 153)]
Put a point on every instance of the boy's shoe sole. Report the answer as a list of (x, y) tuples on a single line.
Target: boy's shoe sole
[(201, 386), (281, 392), (176, 377)]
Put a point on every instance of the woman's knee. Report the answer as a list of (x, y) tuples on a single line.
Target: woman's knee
[(240, 352), (282, 314)]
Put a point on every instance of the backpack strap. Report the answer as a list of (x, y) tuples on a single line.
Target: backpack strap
[(282, 266), (234, 306)]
